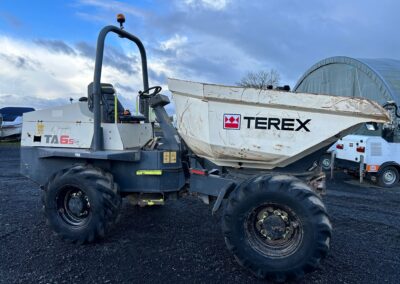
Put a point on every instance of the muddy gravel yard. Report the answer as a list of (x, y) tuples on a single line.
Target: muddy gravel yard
[(182, 243)]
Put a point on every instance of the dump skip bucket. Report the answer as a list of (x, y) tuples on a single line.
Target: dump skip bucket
[(245, 127)]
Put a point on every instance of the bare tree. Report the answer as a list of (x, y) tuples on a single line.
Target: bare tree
[(260, 79)]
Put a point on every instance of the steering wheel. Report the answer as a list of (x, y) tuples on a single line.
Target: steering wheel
[(147, 93)]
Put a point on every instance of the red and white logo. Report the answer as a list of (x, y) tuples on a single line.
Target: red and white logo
[(231, 121)]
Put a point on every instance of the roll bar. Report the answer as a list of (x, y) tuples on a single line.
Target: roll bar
[(97, 135)]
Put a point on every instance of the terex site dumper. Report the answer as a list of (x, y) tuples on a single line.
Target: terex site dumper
[(248, 150)]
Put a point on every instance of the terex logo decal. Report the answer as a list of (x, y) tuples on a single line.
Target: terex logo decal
[(288, 124), (231, 121)]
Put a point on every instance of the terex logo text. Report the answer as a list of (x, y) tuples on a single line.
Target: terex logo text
[(233, 121)]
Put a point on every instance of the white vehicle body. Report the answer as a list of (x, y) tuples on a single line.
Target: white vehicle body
[(11, 123), (235, 126), (11, 128), (374, 152), (71, 126)]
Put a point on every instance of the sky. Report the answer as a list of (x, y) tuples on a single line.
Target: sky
[(47, 48)]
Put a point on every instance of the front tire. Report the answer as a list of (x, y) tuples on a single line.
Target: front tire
[(388, 177), (276, 227), (81, 203)]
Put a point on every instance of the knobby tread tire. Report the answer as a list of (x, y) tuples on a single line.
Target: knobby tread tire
[(103, 196), (305, 203)]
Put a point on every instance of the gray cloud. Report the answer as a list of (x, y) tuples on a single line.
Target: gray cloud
[(286, 35), (112, 57), (289, 36), (124, 88), (224, 44), (86, 49), (157, 77), (20, 62), (120, 61), (30, 101), (56, 46)]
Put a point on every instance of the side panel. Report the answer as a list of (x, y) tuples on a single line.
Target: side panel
[(40, 170), (122, 136), (69, 126), (377, 151), (125, 174), (57, 134), (381, 151), (130, 180), (348, 147)]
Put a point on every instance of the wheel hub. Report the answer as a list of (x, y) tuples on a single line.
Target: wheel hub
[(273, 228), (275, 224), (76, 204), (326, 163), (389, 177)]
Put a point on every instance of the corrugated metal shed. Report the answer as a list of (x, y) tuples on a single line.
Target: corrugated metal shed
[(376, 79)]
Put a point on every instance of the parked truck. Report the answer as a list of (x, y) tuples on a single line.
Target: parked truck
[(375, 157), (245, 150)]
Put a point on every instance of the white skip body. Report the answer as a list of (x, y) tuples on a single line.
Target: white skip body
[(245, 127)]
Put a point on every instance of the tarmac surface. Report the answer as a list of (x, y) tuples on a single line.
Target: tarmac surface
[(182, 243)]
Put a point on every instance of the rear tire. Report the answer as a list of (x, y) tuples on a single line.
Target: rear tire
[(388, 177), (81, 203), (276, 227)]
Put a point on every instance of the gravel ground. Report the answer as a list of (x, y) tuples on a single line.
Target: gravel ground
[(182, 242)]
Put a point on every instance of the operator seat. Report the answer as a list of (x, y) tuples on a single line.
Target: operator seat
[(108, 105)]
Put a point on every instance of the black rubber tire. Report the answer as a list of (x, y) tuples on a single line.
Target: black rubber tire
[(322, 162), (102, 194), (382, 180), (286, 191)]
